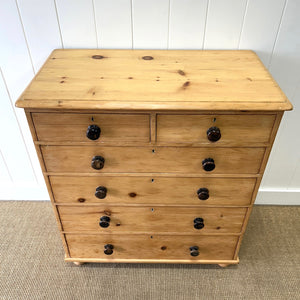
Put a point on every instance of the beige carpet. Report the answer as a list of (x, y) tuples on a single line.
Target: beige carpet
[(32, 265)]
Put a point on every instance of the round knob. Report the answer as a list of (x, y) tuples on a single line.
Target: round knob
[(203, 193), (208, 164), (97, 162), (104, 221), (194, 251), (213, 134), (198, 223), (101, 192), (93, 132), (108, 249)]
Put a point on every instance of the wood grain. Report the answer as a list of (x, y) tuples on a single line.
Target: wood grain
[(152, 159), (258, 182), (152, 219), (72, 127), (153, 190), (152, 261), (122, 78), (236, 130), (153, 113), (159, 247), (137, 174), (47, 181)]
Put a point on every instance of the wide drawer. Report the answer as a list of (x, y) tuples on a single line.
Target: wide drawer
[(169, 219), (64, 127), (235, 130), (152, 159), (152, 246), (153, 190)]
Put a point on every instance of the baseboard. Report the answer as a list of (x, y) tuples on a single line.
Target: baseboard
[(278, 197), (26, 191)]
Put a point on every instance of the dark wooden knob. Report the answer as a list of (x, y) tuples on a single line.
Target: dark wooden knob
[(104, 221), (203, 193), (108, 249), (198, 223), (194, 251), (93, 132), (101, 192), (97, 162), (213, 134), (208, 164)]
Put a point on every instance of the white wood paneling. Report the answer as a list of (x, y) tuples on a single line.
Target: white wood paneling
[(77, 23), (5, 177), (41, 28), (285, 67), (150, 24), (284, 163), (285, 63), (278, 197), (224, 24), (17, 70), (262, 20), (14, 59), (11, 142), (113, 23), (30, 30), (295, 180), (187, 24)]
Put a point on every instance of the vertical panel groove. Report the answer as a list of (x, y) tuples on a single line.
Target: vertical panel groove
[(26, 41), (61, 39), (168, 37), (277, 34), (131, 19), (204, 33), (94, 14), (19, 126), (243, 23), (113, 23), (132, 24), (6, 166)]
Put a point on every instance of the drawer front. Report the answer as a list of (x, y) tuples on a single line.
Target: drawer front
[(152, 246), (73, 127), (151, 219), (235, 129), (152, 159), (153, 190)]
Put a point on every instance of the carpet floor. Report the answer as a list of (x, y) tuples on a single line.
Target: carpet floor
[(32, 263)]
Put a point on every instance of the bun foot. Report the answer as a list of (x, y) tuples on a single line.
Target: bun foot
[(224, 265), (78, 263)]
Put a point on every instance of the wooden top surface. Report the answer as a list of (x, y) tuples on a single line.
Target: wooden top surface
[(154, 79)]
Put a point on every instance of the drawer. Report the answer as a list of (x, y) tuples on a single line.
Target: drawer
[(152, 159), (153, 190), (64, 127), (238, 130), (151, 219), (152, 246)]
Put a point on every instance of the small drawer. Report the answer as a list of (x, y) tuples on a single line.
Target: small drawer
[(71, 127), (153, 190), (152, 159), (235, 130), (120, 219), (156, 247)]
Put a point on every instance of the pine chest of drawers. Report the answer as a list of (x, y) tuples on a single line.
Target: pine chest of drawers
[(153, 156)]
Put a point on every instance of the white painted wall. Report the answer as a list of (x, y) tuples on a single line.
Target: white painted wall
[(31, 29)]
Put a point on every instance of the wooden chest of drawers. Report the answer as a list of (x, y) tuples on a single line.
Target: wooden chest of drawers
[(153, 156)]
